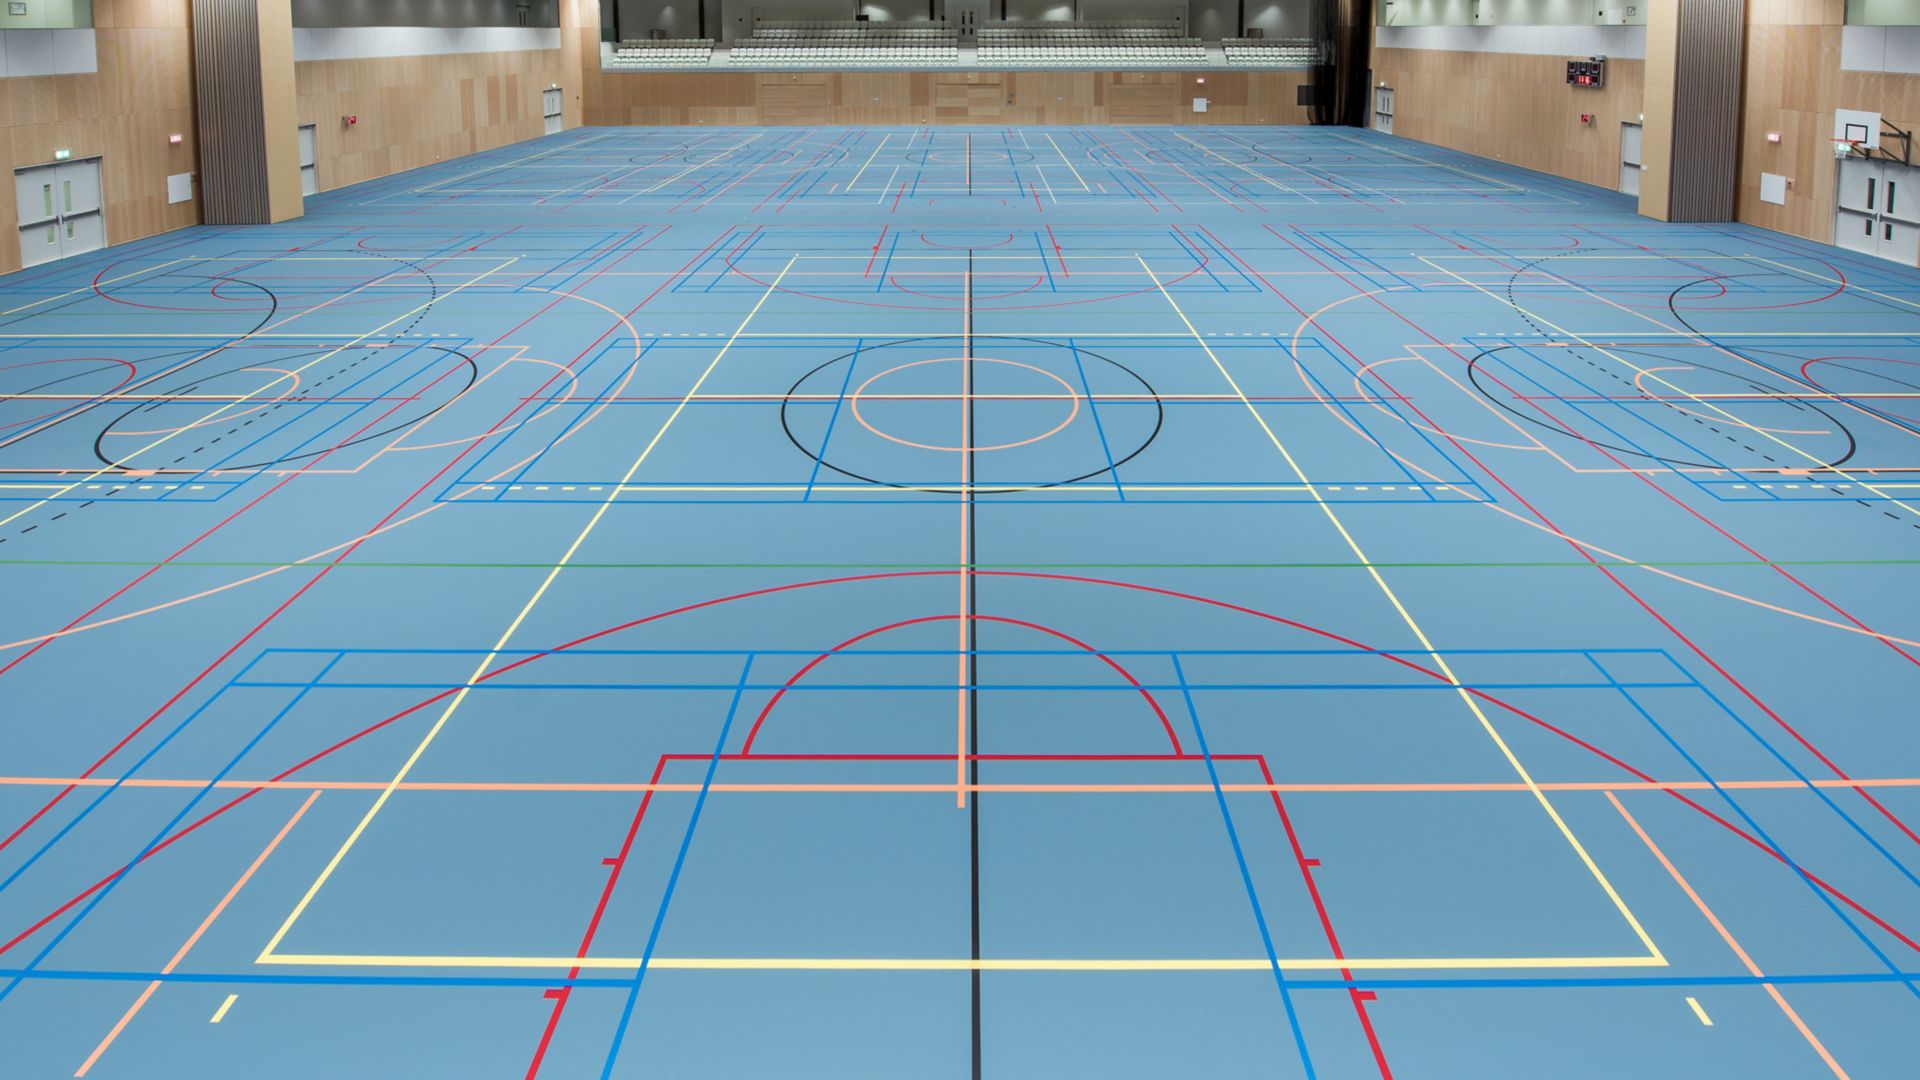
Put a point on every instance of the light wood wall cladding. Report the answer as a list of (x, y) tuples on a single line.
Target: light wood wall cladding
[(1793, 85), (1513, 108), (942, 97), (123, 112), (416, 110), (1656, 101)]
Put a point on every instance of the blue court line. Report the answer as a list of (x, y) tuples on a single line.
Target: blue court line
[(820, 458), (1635, 415), (1051, 287), (1246, 876), (1093, 409), (128, 867), (579, 417), (1200, 262), (1379, 444), (1759, 831), (728, 261), (949, 653), (1787, 763), (673, 879), (811, 687), (1463, 477), (882, 283), (311, 404)]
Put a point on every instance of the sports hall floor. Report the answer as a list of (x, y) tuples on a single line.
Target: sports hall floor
[(861, 602)]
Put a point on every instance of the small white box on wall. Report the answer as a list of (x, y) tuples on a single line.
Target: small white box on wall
[(1199, 104)]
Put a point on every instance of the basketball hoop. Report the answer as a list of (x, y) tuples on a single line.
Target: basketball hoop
[(1847, 147)]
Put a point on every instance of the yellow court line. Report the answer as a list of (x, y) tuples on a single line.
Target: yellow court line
[(1417, 162), (691, 168), (486, 661), (510, 164), (1831, 281), (1657, 377), (855, 182), (1068, 164), (220, 1013), (322, 358), (1426, 644), (1700, 1012), (941, 963), (90, 286), (1251, 172)]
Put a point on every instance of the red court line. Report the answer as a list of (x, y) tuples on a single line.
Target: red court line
[(772, 590), (311, 582), (754, 731), (1691, 645)]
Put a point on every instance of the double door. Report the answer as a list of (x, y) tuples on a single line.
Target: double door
[(1878, 209), (59, 210), (552, 106)]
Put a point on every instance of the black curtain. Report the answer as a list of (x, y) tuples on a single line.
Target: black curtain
[(1337, 84)]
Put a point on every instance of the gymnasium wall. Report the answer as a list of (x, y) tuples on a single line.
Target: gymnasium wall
[(1802, 64), (942, 97), (1501, 93), (140, 91), (416, 110)]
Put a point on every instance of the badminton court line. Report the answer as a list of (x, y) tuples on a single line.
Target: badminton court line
[(1439, 661), (487, 661)]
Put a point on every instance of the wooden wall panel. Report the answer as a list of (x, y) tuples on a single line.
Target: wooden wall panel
[(1512, 108), (943, 97), (416, 110), (1793, 85), (123, 112)]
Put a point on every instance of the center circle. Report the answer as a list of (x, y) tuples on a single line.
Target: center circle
[(967, 398), (1125, 409)]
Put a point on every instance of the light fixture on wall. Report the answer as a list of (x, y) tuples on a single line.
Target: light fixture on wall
[(175, 139)]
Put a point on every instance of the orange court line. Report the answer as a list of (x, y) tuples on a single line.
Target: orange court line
[(1727, 936), (624, 787), (194, 939)]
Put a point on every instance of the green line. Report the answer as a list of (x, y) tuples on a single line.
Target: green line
[(1350, 565)]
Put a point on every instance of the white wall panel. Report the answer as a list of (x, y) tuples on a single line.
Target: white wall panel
[(366, 42)]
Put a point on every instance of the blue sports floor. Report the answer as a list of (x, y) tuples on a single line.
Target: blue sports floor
[(930, 603)]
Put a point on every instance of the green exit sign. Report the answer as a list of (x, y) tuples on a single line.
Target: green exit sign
[(62, 154)]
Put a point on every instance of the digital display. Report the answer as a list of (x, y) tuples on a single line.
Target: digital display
[(1587, 72)]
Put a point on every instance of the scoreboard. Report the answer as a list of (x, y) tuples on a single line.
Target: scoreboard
[(1591, 72)]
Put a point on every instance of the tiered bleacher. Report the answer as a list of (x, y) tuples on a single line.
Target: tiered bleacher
[(835, 43), (662, 52), (1126, 43), (1270, 52)]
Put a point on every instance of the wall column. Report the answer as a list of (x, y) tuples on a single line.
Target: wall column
[(579, 57), (1690, 144), (249, 142)]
